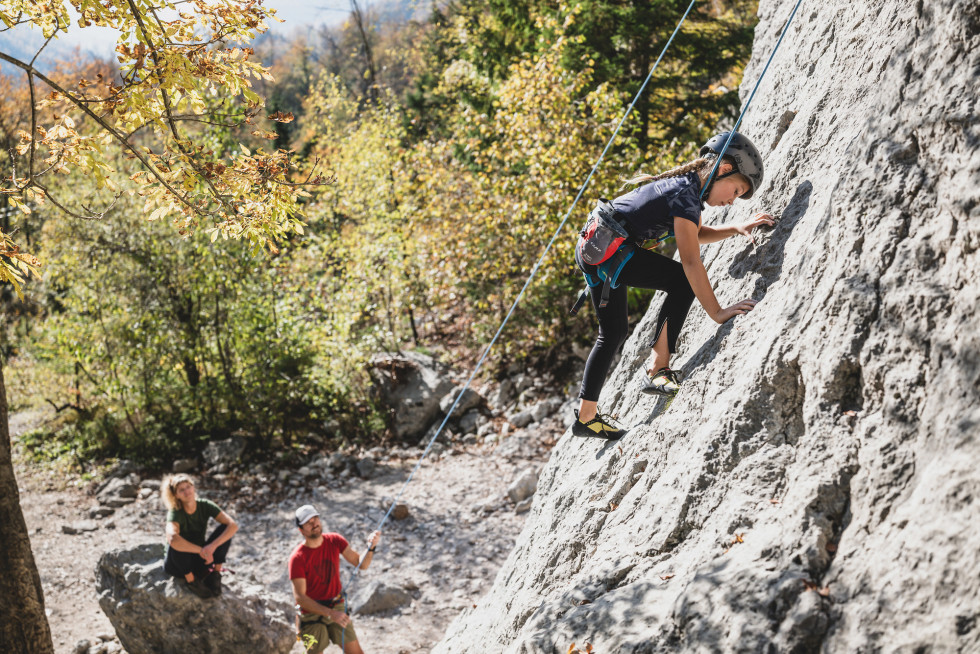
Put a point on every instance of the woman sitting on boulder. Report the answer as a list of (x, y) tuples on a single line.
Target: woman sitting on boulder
[(190, 556), (670, 205)]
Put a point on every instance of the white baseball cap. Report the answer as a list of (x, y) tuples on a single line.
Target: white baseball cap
[(304, 513)]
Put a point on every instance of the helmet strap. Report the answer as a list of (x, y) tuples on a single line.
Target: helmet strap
[(717, 177)]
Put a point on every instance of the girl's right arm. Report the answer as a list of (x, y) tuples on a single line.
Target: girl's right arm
[(686, 234)]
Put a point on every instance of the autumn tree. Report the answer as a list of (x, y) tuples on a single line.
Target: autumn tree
[(175, 59)]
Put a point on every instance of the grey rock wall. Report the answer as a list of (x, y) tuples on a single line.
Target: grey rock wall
[(815, 485)]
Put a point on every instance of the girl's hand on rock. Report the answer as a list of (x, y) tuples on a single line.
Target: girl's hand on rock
[(758, 220), (737, 309)]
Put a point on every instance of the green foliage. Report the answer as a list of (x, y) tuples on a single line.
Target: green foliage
[(170, 341), (457, 147)]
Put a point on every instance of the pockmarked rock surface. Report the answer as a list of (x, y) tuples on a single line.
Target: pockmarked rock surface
[(813, 486), (152, 614)]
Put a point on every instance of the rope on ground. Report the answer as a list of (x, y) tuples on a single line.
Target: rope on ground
[(741, 115), (527, 283)]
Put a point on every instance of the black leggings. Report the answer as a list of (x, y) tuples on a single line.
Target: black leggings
[(645, 270), (178, 564)]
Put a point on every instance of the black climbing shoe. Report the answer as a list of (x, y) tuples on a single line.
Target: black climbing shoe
[(663, 382), (213, 582), (598, 427), (198, 588)]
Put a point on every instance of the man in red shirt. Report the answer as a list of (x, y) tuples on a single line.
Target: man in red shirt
[(314, 570)]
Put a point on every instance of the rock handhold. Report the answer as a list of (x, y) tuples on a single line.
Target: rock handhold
[(152, 614)]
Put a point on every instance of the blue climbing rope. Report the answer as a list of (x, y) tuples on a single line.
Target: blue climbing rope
[(554, 237), (527, 283), (738, 122)]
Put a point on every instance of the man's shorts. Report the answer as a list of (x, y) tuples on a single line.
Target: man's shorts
[(324, 631)]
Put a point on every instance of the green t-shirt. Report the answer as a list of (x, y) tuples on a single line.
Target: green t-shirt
[(193, 526)]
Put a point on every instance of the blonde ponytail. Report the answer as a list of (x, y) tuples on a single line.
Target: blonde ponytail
[(701, 164)]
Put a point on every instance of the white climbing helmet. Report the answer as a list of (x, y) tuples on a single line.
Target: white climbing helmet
[(743, 153)]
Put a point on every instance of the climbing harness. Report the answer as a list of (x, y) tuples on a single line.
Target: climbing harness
[(606, 244), (547, 249)]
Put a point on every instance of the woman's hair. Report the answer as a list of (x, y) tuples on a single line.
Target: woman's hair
[(168, 489), (701, 164)]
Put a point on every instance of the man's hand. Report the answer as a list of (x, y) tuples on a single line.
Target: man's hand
[(758, 220), (340, 618), (373, 539)]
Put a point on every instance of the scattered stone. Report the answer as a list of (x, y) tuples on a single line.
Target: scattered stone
[(521, 419), (143, 604), (81, 647), (184, 465), (152, 484), (524, 505), (79, 527), (119, 491), (504, 394), (366, 467), (470, 400), (486, 505), (468, 423), (523, 485), (375, 597), (228, 451), (545, 408), (339, 461), (98, 512)]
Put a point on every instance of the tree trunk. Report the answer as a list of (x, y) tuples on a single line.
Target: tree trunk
[(24, 627)]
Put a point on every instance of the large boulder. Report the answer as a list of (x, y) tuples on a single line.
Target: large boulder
[(153, 614), (377, 597), (410, 385), (813, 487)]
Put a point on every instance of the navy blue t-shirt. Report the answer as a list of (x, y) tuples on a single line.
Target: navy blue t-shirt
[(649, 210)]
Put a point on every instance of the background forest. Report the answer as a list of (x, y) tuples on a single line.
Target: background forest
[(453, 147)]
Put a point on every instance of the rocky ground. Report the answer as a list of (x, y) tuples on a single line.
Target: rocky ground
[(460, 528)]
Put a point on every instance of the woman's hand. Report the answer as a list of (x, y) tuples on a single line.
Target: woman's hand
[(207, 553), (737, 309), (758, 220)]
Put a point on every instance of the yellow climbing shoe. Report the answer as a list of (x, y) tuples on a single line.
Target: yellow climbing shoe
[(663, 382), (598, 427)]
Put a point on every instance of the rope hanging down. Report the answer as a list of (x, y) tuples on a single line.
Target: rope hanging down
[(561, 226), (534, 271), (741, 115)]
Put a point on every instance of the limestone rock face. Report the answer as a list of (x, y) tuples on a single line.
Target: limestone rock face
[(153, 615), (814, 485)]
